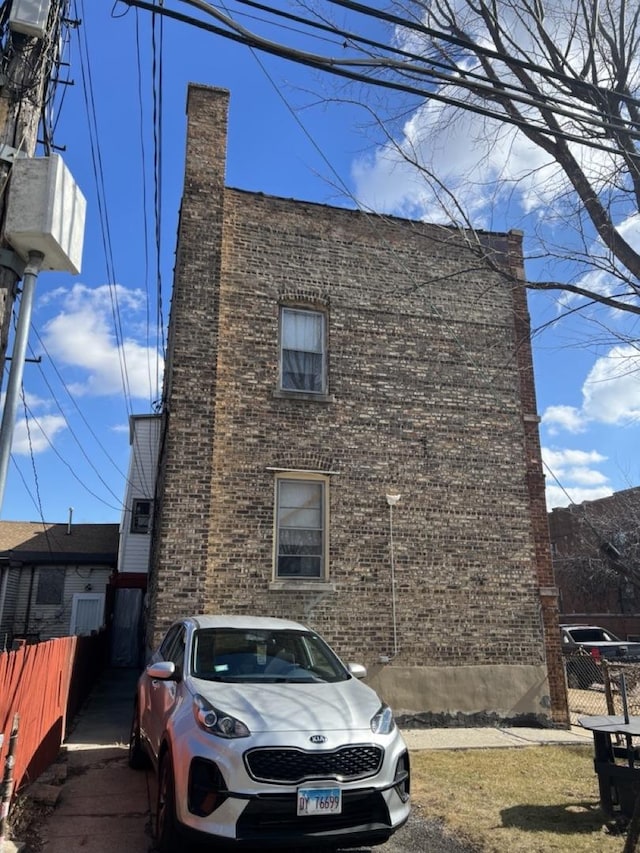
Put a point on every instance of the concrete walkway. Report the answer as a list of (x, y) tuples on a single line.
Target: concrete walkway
[(101, 805), (485, 738)]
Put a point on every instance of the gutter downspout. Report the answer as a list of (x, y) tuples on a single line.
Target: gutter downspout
[(4, 583)]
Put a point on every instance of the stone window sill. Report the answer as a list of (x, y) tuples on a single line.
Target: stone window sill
[(295, 585), (303, 395)]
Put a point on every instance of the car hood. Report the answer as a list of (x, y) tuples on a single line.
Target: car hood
[(604, 645), (345, 705)]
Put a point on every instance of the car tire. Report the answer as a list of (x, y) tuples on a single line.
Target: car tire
[(137, 757), (167, 836)]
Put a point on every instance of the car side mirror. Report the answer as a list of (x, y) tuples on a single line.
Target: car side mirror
[(163, 670), (357, 670)]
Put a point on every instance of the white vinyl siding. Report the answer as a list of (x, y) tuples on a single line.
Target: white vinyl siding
[(134, 550), (54, 620)]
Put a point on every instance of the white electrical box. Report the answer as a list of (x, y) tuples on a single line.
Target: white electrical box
[(46, 213), (29, 17)]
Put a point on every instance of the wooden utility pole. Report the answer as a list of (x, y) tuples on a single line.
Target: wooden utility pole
[(26, 65)]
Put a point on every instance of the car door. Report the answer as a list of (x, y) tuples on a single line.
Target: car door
[(162, 693)]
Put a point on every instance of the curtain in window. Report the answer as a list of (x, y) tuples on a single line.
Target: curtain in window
[(302, 350), (300, 528)]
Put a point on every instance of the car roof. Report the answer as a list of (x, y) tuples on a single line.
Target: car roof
[(242, 621), (598, 627)]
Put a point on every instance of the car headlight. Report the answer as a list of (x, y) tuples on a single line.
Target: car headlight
[(382, 722), (215, 721)]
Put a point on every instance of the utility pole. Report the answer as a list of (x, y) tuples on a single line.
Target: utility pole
[(29, 52)]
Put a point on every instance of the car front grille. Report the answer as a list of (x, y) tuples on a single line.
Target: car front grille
[(290, 766)]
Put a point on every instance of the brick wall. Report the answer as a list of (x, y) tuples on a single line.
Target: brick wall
[(596, 548), (430, 396)]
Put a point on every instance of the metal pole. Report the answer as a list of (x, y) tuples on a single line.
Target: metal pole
[(392, 500), (623, 696), (7, 780), (17, 365), (393, 585)]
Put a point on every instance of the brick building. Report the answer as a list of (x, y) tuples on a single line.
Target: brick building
[(596, 558), (319, 360)]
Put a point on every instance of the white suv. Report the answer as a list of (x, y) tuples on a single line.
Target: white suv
[(261, 735)]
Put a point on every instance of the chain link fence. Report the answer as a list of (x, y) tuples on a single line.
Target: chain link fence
[(597, 687)]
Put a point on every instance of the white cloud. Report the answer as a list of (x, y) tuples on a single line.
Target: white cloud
[(39, 436), (563, 417), (562, 459), (610, 395), (611, 391), (586, 477), (485, 162), (557, 496), (82, 336), (573, 476), (478, 175)]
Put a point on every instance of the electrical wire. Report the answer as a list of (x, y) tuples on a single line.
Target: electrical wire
[(523, 95), (90, 491), (72, 432), (145, 213), (157, 30), (101, 196), (346, 68)]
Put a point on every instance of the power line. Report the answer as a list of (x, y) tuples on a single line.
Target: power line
[(101, 196), (70, 467), (347, 68), (455, 73)]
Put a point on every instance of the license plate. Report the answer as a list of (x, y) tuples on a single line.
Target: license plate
[(314, 801)]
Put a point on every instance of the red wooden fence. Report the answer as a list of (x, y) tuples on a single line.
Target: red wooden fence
[(45, 684)]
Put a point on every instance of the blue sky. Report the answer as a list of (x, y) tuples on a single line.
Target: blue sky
[(97, 333)]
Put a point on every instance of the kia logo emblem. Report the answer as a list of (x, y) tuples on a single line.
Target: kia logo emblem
[(318, 739)]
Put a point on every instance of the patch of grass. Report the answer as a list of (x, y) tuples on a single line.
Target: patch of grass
[(542, 798)]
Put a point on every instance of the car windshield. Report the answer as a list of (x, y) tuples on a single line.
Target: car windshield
[(592, 635), (246, 655)]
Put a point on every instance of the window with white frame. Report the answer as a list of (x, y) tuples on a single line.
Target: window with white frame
[(303, 350), (140, 516), (301, 526)]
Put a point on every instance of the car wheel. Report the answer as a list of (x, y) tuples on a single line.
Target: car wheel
[(167, 838), (137, 756)]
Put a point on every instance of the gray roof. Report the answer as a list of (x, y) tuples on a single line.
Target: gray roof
[(29, 541)]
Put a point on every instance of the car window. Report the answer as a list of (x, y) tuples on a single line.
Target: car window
[(173, 647), (167, 643), (592, 635), (226, 654)]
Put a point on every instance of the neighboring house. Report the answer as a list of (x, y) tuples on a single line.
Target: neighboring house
[(135, 540), (322, 362), (54, 579), (596, 559)]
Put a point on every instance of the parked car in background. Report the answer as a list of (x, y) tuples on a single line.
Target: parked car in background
[(586, 646), (260, 735)]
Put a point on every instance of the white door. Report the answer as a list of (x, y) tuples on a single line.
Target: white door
[(87, 613)]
